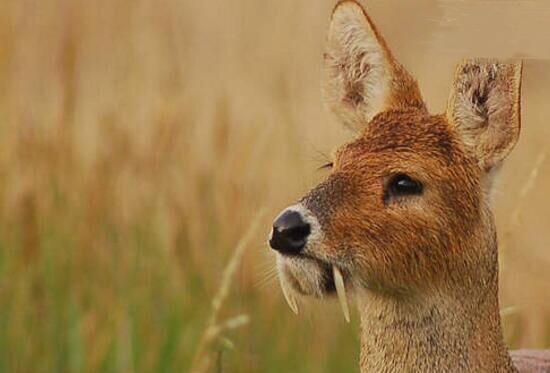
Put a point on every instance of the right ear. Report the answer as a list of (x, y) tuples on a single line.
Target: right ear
[(485, 109), (362, 78)]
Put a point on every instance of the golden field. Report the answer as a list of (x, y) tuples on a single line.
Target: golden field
[(139, 140)]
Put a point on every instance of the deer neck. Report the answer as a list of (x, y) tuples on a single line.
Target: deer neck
[(442, 331)]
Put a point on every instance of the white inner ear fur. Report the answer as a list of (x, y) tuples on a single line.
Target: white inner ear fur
[(358, 71), (484, 107)]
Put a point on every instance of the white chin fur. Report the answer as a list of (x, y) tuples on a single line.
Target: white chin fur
[(303, 276)]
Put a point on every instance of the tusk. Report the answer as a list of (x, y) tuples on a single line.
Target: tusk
[(289, 297), (341, 291)]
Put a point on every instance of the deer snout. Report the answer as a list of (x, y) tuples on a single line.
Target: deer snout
[(290, 233)]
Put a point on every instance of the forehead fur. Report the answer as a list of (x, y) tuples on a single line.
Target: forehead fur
[(406, 132)]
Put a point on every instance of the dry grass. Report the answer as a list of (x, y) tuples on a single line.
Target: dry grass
[(215, 328), (137, 142)]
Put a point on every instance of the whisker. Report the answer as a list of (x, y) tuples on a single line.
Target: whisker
[(267, 280)]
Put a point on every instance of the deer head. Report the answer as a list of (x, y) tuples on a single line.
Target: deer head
[(405, 203)]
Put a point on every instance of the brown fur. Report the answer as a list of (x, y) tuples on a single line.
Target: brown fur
[(424, 268)]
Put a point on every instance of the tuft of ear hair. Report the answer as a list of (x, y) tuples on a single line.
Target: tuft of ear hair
[(362, 78), (485, 107)]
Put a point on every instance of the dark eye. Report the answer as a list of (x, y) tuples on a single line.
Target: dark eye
[(403, 185), (326, 166)]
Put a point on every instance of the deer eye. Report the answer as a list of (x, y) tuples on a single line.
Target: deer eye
[(326, 166), (403, 185)]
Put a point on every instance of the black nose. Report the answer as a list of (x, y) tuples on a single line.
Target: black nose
[(290, 233)]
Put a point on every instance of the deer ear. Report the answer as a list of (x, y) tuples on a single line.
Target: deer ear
[(362, 78), (485, 108)]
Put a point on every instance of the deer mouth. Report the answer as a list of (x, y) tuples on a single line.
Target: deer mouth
[(298, 239), (303, 275)]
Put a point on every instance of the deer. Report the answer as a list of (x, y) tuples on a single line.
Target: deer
[(403, 221)]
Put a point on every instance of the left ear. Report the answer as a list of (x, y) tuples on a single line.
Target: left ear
[(485, 108), (362, 78)]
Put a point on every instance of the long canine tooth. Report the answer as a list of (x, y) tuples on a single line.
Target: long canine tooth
[(289, 297), (341, 291)]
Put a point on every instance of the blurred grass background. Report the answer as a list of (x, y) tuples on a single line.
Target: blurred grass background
[(137, 141)]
